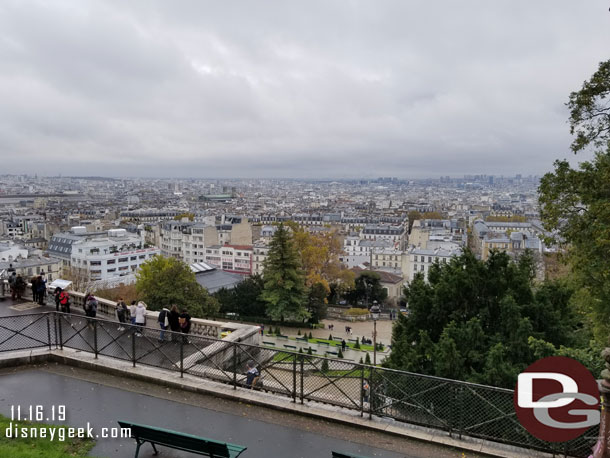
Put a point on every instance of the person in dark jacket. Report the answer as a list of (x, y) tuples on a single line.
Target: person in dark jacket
[(34, 283), (121, 313), (41, 287), (185, 324), (174, 320), (56, 295)]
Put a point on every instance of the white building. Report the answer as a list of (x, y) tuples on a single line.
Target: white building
[(419, 260), (230, 258), (357, 251), (183, 240), (116, 255)]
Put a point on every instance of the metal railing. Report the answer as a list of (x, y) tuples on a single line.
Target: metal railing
[(459, 408)]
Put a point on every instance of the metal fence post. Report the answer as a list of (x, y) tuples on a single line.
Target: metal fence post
[(361, 390), (294, 378), (302, 358), (181, 356), (61, 336), (234, 365), (133, 347), (49, 330), (95, 338), (372, 392)]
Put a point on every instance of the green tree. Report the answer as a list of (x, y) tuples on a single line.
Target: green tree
[(574, 202), (244, 298), (284, 286), (165, 281), (316, 302), (475, 320), (368, 289)]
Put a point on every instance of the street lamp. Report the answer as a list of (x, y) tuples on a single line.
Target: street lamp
[(375, 315)]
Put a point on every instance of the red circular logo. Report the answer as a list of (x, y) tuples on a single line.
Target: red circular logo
[(557, 399)]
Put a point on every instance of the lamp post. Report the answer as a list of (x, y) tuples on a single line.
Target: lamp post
[(375, 315)]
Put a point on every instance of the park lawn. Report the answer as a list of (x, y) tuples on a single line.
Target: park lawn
[(351, 345), (40, 447), (352, 373)]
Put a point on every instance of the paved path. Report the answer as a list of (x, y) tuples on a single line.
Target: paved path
[(266, 433)]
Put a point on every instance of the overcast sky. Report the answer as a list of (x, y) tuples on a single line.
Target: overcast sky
[(292, 89)]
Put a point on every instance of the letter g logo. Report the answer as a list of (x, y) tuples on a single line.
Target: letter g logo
[(556, 399)]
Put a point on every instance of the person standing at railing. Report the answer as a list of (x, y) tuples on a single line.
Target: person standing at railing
[(185, 324), (56, 295), (41, 286), (11, 283), (121, 313), (132, 312), (34, 284), (91, 308), (140, 318), (174, 320), (19, 287), (163, 320), (64, 301)]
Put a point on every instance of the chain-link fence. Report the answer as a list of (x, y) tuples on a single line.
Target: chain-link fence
[(460, 408)]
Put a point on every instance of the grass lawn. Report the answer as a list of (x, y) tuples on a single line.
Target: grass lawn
[(40, 447)]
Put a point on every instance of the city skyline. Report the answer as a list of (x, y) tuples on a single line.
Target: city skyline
[(324, 90)]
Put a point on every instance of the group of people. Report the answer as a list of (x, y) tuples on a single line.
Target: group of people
[(169, 319), (17, 285), (39, 288)]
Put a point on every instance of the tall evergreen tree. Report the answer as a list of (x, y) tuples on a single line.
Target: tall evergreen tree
[(284, 284)]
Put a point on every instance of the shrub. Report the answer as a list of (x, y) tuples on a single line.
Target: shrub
[(310, 335), (367, 359), (330, 337), (299, 332), (324, 365), (339, 353), (309, 351), (357, 345)]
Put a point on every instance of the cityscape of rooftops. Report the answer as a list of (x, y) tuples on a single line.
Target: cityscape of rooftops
[(321, 229)]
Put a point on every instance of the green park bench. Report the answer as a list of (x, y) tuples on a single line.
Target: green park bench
[(268, 343), (323, 343), (338, 339), (282, 337), (302, 339), (180, 441), (353, 340), (334, 353), (310, 349), (346, 455), (292, 347)]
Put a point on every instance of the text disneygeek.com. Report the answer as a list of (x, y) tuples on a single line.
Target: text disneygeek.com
[(61, 433)]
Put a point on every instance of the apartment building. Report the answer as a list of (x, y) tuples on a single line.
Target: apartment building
[(116, 255), (419, 260), (260, 252), (230, 258)]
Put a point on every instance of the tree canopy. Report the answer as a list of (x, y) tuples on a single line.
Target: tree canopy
[(244, 299), (484, 321), (575, 202), (163, 281)]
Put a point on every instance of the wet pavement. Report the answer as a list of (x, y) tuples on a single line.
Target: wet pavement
[(102, 399)]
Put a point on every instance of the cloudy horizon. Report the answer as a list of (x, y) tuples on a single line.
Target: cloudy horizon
[(319, 89)]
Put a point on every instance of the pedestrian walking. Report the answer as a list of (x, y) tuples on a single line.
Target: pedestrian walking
[(163, 320), (343, 345), (121, 313), (140, 318)]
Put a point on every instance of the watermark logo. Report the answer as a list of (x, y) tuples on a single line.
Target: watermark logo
[(557, 399)]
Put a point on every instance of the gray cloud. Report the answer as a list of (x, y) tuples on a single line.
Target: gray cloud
[(276, 88)]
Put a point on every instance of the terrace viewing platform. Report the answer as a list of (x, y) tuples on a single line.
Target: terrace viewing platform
[(309, 396)]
